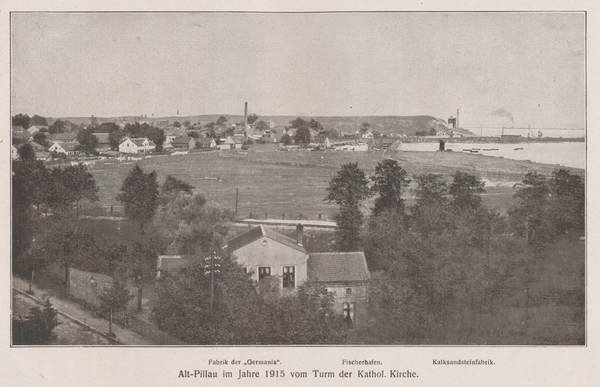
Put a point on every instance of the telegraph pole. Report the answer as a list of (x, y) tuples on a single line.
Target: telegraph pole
[(210, 267)]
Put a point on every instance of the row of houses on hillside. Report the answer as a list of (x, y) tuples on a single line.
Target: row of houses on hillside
[(267, 254)]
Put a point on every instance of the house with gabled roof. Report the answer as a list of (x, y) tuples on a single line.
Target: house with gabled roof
[(67, 148), (267, 253), (207, 143), (136, 145), (184, 142)]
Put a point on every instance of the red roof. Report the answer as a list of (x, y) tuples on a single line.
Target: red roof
[(259, 232), (338, 267)]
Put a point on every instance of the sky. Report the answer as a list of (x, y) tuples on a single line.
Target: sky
[(499, 69)]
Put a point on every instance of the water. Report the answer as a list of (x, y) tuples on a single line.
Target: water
[(567, 154)]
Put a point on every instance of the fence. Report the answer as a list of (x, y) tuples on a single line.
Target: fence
[(153, 333)]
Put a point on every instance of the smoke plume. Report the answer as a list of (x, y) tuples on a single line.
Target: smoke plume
[(503, 113)]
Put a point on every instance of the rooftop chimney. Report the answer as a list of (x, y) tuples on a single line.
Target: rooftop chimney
[(299, 233)]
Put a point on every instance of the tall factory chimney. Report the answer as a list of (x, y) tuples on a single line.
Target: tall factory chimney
[(457, 118), (245, 121)]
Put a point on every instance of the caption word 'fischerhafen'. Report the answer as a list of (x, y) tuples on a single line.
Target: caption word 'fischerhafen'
[(283, 373)]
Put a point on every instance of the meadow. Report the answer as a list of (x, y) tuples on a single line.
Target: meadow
[(273, 183)]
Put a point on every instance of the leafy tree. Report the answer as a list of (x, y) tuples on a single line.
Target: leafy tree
[(172, 187), (364, 127), (68, 245), (177, 124), (252, 118), (298, 123), (80, 184), (568, 200), (24, 190), (211, 125), (114, 298), (390, 181), (348, 189), (86, 138), (193, 225), (286, 139), (240, 315), (37, 328), (193, 134), (221, 121), (262, 126), (465, 190), (39, 121), (139, 194), (26, 152), (186, 123), (156, 135), (303, 135), (532, 217), (432, 132), (384, 239), (430, 213), (21, 120), (58, 126), (40, 138), (316, 125)]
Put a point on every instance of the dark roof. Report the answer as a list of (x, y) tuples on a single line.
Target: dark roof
[(69, 136), (206, 141), (103, 138), (182, 140), (338, 267), (259, 232)]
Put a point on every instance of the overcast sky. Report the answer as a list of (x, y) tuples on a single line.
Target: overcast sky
[(494, 67)]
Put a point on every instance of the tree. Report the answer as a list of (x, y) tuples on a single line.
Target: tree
[(364, 127), (390, 181), (57, 126), (221, 121), (139, 194), (186, 123), (193, 134), (348, 189), (22, 120), (568, 200), (172, 187), (251, 119), (286, 139), (114, 298), (156, 135), (40, 138), (303, 135), (262, 126), (315, 125), (88, 141), (80, 185), (26, 152), (177, 124), (298, 123), (193, 225), (241, 316), (39, 121), (430, 213), (37, 328), (532, 217), (465, 190)]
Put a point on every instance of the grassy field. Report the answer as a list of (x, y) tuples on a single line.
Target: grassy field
[(292, 184)]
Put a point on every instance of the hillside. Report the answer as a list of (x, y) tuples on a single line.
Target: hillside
[(408, 125)]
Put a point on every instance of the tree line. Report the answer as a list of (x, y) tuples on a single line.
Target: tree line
[(440, 253)]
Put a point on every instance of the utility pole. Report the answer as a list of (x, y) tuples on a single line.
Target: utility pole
[(236, 201), (211, 267)]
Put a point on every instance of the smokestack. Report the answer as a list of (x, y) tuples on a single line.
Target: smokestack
[(457, 116), (299, 233), (245, 120)]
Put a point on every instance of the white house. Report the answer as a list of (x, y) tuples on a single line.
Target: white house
[(227, 143), (136, 145), (67, 148)]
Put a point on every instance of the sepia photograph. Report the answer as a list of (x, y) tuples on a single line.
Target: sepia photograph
[(293, 179)]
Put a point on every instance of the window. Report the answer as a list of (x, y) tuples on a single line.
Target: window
[(348, 291), (245, 269), (289, 277), (263, 272)]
